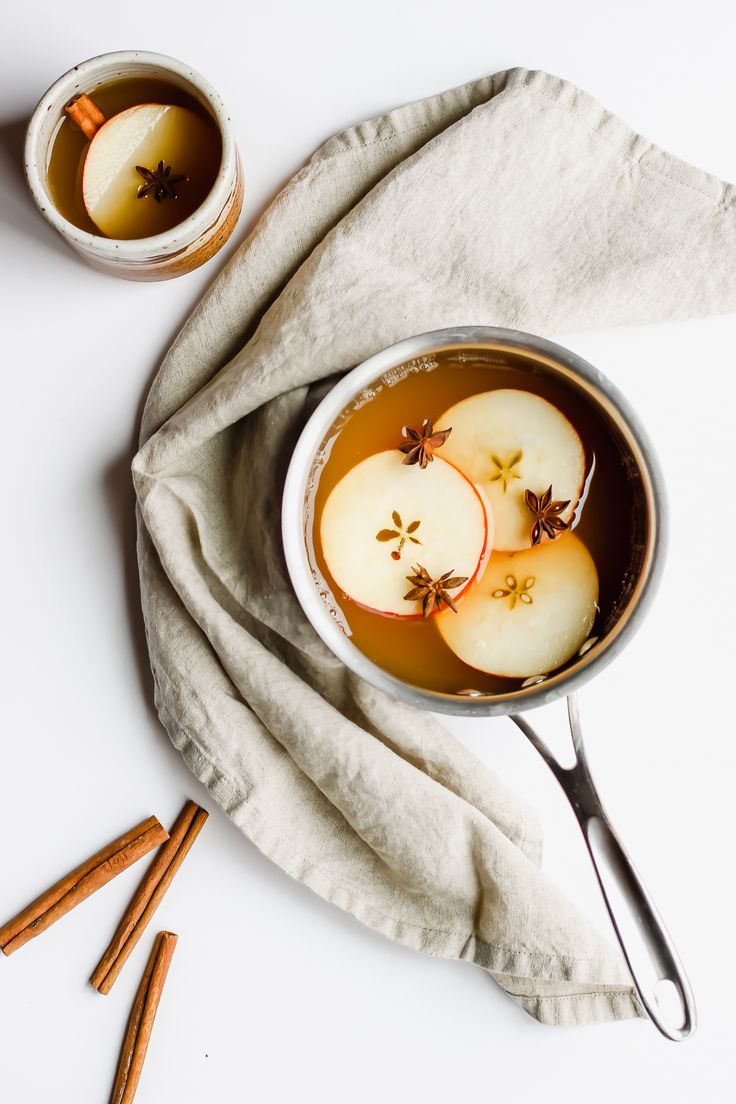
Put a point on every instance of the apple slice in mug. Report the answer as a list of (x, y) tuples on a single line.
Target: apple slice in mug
[(510, 442), (147, 135), (530, 613), (384, 521)]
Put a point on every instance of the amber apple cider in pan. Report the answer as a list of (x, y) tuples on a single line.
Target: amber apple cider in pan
[(474, 521)]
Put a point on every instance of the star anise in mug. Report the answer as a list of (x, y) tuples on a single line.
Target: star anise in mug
[(546, 514), (159, 182), (419, 444), (433, 592)]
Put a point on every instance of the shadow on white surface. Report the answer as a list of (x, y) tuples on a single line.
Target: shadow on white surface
[(17, 208)]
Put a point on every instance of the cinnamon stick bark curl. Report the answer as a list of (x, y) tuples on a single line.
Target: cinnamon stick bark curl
[(80, 883), (149, 895), (142, 1017)]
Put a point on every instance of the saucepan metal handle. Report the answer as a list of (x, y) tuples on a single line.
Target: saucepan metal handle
[(656, 969)]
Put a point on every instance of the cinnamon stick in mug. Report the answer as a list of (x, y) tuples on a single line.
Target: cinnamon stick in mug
[(80, 883), (149, 895)]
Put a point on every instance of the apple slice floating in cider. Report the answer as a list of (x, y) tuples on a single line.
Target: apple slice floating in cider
[(385, 519), (529, 613), (156, 137), (510, 442)]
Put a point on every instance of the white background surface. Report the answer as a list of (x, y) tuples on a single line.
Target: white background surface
[(274, 995)]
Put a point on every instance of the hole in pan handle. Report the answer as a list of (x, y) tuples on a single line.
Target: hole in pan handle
[(655, 966)]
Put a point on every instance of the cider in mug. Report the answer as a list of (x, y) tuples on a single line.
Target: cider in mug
[(133, 159)]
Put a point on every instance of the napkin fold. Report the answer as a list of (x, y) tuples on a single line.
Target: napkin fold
[(516, 200)]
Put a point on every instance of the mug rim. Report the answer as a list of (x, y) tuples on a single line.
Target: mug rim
[(129, 249), (294, 504)]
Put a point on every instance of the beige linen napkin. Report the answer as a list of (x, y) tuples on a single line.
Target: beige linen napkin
[(517, 201)]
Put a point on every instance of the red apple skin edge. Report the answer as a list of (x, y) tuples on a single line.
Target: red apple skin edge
[(480, 567)]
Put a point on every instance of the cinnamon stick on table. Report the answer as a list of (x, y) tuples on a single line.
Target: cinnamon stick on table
[(142, 1016), (80, 883), (149, 895)]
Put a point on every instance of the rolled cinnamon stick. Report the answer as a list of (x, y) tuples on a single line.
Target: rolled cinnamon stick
[(80, 883), (149, 895), (86, 114), (141, 1020)]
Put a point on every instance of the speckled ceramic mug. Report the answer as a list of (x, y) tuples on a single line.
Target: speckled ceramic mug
[(188, 244)]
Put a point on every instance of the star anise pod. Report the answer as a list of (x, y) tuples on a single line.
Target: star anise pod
[(433, 592), (159, 182), (419, 444), (546, 514)]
